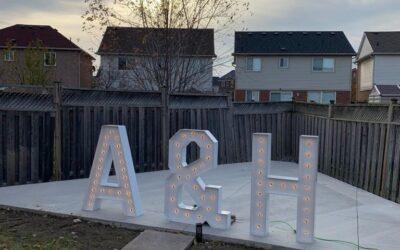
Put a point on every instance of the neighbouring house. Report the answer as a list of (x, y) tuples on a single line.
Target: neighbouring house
[(148, 58), (384, 93), (354, 81), (225, 83), (282, 66), (378, 62), (39, 52)]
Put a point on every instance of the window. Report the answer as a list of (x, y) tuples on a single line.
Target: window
[(253, 64), (122, 63), (283, 62), (323, 64), (49, 59), (252, 96), (9, 56), (281, 96), (321, 96)]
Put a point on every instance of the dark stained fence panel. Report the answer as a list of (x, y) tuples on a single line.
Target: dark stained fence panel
[(26, 150)]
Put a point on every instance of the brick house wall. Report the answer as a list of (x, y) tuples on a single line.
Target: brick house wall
[(240, 95), (264, 95), (343, 97), (72, 68), (300, 95), (86, 74)]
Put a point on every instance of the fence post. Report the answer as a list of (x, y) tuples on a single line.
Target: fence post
[(327, 168), (165, 125), (231, 154), (57, 99), (386, 183)]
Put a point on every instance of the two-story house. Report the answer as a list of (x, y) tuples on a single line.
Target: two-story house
[(282, 66), (148, 58), (378, 62), (57, 55)]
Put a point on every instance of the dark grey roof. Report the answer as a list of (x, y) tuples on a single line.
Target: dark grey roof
[(229, 76), (150, 41), (327, 42), (388, 90), (384, 42)]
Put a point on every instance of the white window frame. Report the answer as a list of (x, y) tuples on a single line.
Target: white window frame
[(280, 92), (9, 56), (254, 98), (253, 57), (279, 63), (323, 71), (55, 59), (321, 94)]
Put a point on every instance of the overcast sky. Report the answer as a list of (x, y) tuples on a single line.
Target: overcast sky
[(351, 16)]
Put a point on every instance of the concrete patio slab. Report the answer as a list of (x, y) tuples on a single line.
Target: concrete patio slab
[(336, 216), (152, 240)]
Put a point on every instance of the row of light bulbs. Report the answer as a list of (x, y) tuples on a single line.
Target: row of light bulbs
[(125, 180), (283, 185)]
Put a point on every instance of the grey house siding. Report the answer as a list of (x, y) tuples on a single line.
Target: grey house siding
[(125, 79), (298, 76), (387, 69)]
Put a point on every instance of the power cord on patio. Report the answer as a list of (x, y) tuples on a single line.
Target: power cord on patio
[(329, 240)]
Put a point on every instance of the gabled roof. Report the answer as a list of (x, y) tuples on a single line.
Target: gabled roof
[(148, 41), (21, 36), (292, 43), (388, 90), (229, 76), (384, 42)]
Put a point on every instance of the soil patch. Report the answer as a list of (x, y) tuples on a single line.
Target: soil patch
[(21, 230)]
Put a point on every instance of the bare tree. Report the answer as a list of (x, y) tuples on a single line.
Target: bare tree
[(167, 57)]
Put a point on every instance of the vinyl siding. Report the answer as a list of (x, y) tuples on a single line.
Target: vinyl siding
[(366, 48), (366, 74), (298, 76), (387, 69), (125, 79)]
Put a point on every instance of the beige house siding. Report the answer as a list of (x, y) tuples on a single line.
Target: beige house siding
[(298, 76), (365, 49), (366, 69)]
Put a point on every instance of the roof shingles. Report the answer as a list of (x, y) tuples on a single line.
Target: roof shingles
[(148, 41), (22, 35), (384, 42), (328, 42)]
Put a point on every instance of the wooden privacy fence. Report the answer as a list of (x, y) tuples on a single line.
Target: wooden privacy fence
[(359, 144), (26, 147)]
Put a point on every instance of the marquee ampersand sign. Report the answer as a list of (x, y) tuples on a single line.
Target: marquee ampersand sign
[(303, 187), (187, 176), (113, 147)]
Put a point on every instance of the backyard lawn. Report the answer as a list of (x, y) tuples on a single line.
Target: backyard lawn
[(20, 230)]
